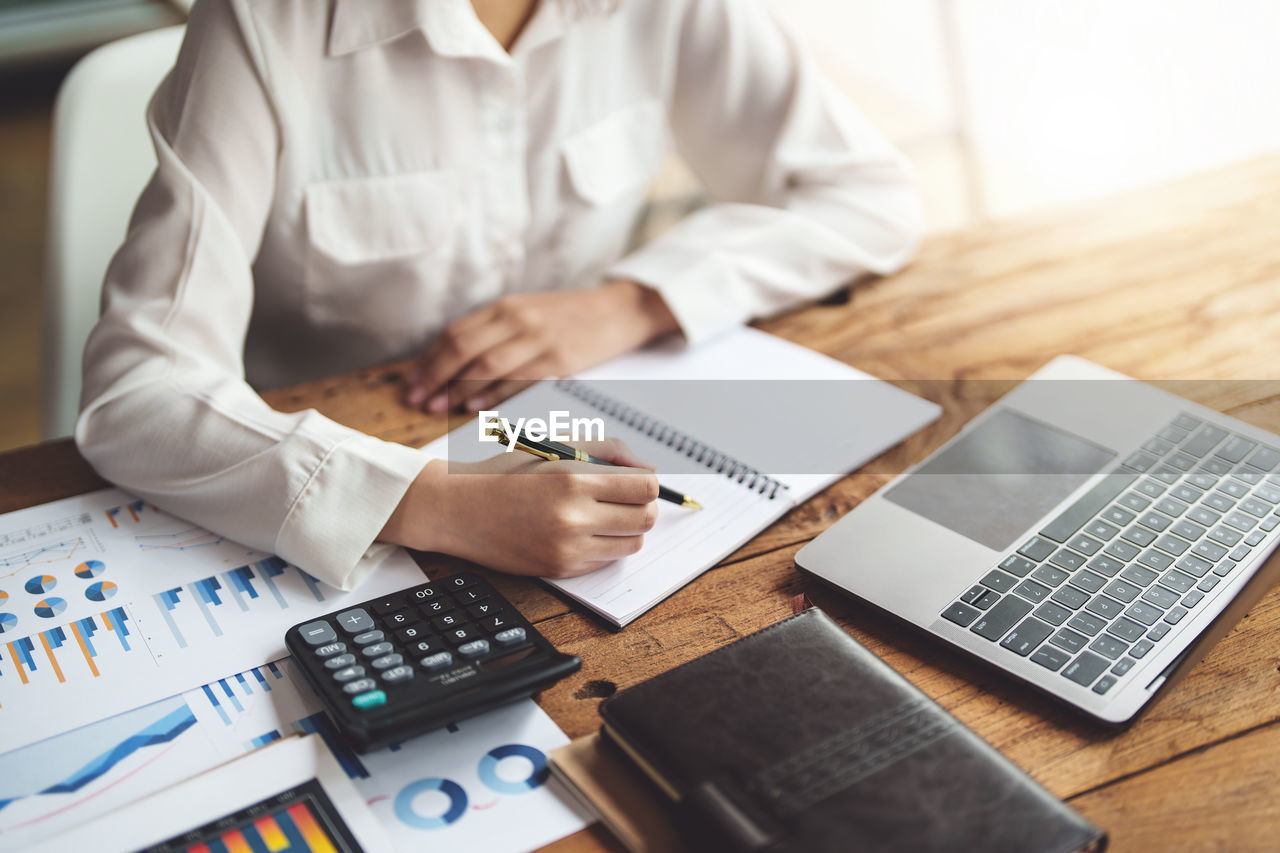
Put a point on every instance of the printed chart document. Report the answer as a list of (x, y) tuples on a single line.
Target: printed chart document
[(107, 603), (479, 785), (747, 424)]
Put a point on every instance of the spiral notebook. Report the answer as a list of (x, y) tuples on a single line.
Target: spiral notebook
[(747, 424)]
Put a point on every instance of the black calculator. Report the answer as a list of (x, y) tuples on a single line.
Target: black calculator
[(413, 661)]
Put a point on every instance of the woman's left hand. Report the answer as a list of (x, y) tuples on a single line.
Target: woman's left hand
[(490, 354)]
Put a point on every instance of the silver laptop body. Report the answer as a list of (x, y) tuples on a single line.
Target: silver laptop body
[(1081, 534)]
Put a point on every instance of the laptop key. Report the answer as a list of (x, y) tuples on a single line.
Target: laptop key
[(1254, 538), (1158, 632), (1126, 629), (1099, 529), (1203, 480), (1265, 458), (1174, 616), (1157, 445), (1155, 521), (1253, 506), (1269, 524), (1118, 515), (1085, 669), (1106, 565), (1188, 530), (1208, 583), (997, 621), (1155, 559), (1172, 507), (1166, 474), (1049, 575), (1160, 597), (1174, 434), (1104, 607), (1134, 502), (1270, 494), (1186, 422), (1205, 440), (1087, 506), (1185, 493), (1210, 551), (1171, 544), (1050, 657), (1036, 549), (1069, 596), (1089, 546), (1086, 623), (1191, 599), (1033, 591), (1249, 475), (1240, 521), (1206, 517), (1150, 488), (1141, 648), (1234, 488), (1226, 536), (1029, 634), (1139, 536), (1219, 502), (1069, 640), (1140, 461), (1123, 551), (1123, 591), (961, 614), (974, 593), (987, 599), (1139, 575), (1216, 467), (1236, 448), (1054, 614), (1177, 581), (1123, 666), (1104, 684), (1147, 614), (1068, 560), (1108, 646), (999, 581), (1193, 565), (1088, 581), (1181, 461), (1015, 565)]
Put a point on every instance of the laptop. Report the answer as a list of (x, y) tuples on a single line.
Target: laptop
[(1088, 534)]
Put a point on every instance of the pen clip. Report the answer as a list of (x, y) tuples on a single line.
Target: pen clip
[(503, 439)]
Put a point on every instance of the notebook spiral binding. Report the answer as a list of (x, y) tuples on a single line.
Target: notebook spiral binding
[(702, 454)]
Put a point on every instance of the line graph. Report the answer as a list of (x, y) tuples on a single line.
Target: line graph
[(55, 552), (182, 540)]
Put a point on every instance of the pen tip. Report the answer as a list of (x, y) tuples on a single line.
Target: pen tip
[(691, 503)]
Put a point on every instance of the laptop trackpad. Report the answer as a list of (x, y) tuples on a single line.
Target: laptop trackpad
[(995, 481)]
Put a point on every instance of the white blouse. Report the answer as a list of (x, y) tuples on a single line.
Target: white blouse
[(338, 180)]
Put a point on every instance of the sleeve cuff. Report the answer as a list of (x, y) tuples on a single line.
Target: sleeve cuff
[(700, 290), (331, 527)]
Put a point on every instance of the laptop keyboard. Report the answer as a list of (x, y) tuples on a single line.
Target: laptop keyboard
[(1105, 582)]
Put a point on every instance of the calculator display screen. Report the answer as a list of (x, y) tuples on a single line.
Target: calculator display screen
[(998, 479)]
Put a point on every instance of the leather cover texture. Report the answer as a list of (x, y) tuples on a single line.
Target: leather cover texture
[(797, 738)]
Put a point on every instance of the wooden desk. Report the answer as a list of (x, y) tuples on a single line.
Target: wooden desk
[(1181, 283)]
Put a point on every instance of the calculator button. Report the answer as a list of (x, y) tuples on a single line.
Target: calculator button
[(360, 686), (398, 673), (438, 606), (372, 699), (426, 646), (442, 623), (387, 661), (413, 632), (349, 673), (494, 623), (330, 649), (340, 661), (440, 660), (399, 620), (377, 650), (473, 649), (317, 632), (423, 595), (355, 621), (391, 604), (368, 638), (510, 637), (461, 634), (479, 611), (458, 582), (470, 596)]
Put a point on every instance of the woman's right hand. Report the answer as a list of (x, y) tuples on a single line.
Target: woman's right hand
[(523, 515)]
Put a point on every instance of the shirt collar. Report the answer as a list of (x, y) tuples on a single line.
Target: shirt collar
[(450, 26)]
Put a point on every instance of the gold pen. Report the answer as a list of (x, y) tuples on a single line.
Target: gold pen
[(554, 451)]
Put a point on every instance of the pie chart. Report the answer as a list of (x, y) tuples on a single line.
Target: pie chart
[(4, 596), (50, 607), (90, 569), (40, 584), (100, 591), (7, 621)]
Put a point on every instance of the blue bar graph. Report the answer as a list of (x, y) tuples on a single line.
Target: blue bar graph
[(165, 602)]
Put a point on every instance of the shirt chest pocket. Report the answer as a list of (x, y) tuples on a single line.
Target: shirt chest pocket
[(614, 159), (379, 252)]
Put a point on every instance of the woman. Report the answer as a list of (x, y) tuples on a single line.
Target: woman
[(348, 182)]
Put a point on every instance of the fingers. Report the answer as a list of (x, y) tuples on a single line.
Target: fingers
[(635, 486), (625, 519), (480, 382), (615, 547), (456, 347)]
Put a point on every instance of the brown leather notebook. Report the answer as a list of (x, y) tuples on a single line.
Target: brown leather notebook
[(796, 738)]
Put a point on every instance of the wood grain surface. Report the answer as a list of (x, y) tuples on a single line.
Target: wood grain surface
[(1179, 285)]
